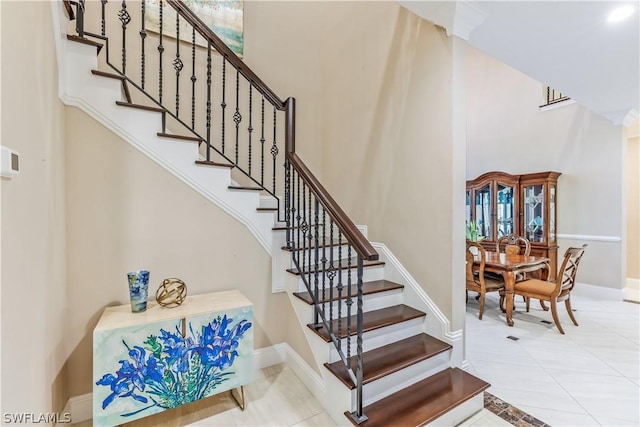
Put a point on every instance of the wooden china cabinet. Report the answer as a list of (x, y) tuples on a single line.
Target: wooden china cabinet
[(502, 204)]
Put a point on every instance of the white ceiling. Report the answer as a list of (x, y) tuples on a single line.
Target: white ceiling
[(568, 45)]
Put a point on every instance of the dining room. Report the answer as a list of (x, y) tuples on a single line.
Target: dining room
[(575, 234)]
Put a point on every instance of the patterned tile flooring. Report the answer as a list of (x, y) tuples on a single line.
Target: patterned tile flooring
[(509, 413)]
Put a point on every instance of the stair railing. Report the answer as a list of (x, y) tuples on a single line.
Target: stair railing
[(328, 251)]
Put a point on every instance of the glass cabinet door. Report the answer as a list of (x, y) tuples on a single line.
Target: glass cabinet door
[(483, 211), (534, 213), (467, 209), (505, 210)]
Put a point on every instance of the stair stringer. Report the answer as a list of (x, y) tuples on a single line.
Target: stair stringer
[(97, 96)]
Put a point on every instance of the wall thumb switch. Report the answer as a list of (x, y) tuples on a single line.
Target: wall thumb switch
[(9, 162)]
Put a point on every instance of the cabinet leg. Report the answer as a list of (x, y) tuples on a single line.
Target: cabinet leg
[(240, 401)]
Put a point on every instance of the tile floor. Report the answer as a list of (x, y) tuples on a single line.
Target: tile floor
[(276, 398), (587, 377)]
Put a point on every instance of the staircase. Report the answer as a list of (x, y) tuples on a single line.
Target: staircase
[(375, 335)]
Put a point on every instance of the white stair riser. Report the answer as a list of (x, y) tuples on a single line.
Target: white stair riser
[(380, 337), (368, 274), (338, 398), (403, 378), (370, 302), (307, 256), (461, 412)]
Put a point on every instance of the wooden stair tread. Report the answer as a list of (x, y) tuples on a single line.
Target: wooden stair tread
[(140, 107), (368, 288), (321, 244), (371, 320), (108, 75), (181, 137), (241, 187), (210, 163), (423, 401), (284, 227), (390, 358), (345, 266), (82, 40), (267, 209)]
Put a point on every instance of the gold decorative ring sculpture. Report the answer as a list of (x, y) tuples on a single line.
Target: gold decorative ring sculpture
[(171, 293)]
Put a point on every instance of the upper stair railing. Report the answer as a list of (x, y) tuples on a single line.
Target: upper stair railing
[(238, 118)]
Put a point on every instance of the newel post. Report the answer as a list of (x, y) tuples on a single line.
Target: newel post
[(291, 125)]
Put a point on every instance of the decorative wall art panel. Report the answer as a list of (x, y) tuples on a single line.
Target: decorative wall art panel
[(225, 18)]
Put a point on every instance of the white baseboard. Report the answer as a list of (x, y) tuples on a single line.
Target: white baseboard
[(81, 407), (309, 377), (594, 291), (631, 292)]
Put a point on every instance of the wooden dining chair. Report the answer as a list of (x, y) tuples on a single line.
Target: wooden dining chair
[(557, 291), (513, 245), (476, 279)]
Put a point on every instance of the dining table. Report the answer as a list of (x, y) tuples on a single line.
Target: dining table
[(509, 266)]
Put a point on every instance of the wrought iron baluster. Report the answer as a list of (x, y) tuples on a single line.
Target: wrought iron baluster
[(298, 217), (316, 246), (262, 141), (359, 415), (178, 65), (224, 97), (287, 197), (103, 21), (309, 245), (124, 18), (80, 10), (292, 213), (274, 148), (331, 275), (143, 36), (250, 128), (324, 264), (208, 122), (349, 302), (193, 78), (339, 288), (237, 117), (160, 48)]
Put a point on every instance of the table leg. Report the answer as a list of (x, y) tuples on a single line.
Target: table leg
[(509, 282)]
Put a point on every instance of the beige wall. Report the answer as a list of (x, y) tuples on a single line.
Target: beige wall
[(507, 132), (34, 291), (387, 134)]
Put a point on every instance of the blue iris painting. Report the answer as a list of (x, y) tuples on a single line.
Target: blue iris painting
[(168, 370)]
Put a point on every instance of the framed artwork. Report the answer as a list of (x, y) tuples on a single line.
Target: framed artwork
[(225, 18)]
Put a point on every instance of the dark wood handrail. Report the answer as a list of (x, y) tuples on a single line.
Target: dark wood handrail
[(346, 226), (69, 10), (223, 49)]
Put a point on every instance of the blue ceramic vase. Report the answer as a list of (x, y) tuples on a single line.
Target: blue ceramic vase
[(138, 290)]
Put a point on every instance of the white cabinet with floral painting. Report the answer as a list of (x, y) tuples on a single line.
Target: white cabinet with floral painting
[(145, 363)]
